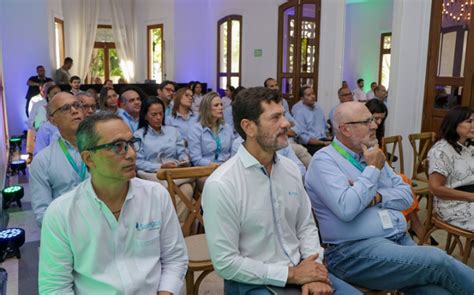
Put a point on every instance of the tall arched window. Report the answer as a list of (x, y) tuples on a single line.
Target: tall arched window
[(298, 46), (229, 51)]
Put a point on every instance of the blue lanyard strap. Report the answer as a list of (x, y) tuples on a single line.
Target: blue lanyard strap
[(82, 172), (347, 156), (218, 145)]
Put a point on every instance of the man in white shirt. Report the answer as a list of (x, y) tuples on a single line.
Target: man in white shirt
[(359, 94), (259, 228), (113, 233), (370, 94)]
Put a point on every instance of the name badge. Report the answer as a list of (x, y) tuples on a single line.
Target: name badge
[(385, 219)]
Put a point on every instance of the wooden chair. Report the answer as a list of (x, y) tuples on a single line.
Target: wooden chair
[(421, 144), (395, 142), (435, 222), (196, 244)]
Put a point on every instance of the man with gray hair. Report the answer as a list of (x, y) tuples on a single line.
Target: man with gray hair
[(58, 168), (357, 199), (113, 233), (89, 103)]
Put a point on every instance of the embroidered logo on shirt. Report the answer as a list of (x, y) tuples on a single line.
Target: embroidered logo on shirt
[(149, 226), (293, 194)]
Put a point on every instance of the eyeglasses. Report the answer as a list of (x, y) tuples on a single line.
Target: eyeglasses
[(169, 89), (119, 147), (68, 107), (92, 107), (346, 94), (366, 122)]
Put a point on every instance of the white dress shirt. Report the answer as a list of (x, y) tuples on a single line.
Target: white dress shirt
[(258, 224), (86, 250), (359, 94)]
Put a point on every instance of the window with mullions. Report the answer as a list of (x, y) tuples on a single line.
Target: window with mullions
[(385, 56), (58, 41), (155, 52), (229, 50)]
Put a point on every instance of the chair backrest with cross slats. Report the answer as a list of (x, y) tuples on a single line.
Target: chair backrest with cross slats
[(421, 144), (392, 146), (194, 205)]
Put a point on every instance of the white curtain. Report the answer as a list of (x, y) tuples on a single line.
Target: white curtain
[(123, 27), (80, 26)]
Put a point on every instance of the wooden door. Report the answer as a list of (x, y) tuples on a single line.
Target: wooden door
[(450, 65)]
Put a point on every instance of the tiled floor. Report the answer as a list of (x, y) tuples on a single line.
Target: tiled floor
[(23, 274)]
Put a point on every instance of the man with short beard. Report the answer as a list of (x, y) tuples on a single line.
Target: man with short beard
[(58, 168), (261, 235), (358, 199)]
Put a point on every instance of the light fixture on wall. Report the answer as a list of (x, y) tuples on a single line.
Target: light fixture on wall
[(457, 10)]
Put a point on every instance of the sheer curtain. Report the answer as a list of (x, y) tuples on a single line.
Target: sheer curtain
[(81, 26), (123, 27)]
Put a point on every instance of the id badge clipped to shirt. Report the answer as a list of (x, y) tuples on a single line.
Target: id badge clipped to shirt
[(385, 219)]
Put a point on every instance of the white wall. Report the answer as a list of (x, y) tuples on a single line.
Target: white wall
[(364, 23), (411, 22), (25, 41), (3, 136)]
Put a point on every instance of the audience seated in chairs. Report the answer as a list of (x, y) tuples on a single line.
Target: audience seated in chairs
[(182, 115), (162, 147), (257, 249), (210, 140), (358, 199), (451, 169)]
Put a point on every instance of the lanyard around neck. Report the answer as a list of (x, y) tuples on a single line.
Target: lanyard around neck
[(347, 156), (217, 139), (82, 171)]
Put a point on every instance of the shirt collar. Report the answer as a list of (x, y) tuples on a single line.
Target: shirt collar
[(129, 117), (352, 153), (248, 160), (130, 194), (190, 115), (221, 126), (153, 131)]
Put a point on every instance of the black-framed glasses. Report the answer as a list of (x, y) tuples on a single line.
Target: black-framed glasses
[(68, 107), (93, 107), (119, 147), (366, 122)]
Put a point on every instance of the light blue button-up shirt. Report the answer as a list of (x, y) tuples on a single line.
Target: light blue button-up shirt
[(202, 144), (285, 152), (340, 195), (183, 125), (46, 134), (159, 147), (51, 175), (311, 122), (131, 121)]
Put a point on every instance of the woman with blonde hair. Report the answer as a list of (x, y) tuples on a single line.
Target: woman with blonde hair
[(210, 141)]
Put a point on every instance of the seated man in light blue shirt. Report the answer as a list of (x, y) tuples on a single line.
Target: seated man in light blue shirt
[(344, 95), (261, 235), (113, 233), (358, 199), (58, 168), (166, 91), (131, 101), (310, 120)]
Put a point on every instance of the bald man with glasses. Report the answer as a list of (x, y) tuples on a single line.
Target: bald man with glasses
[(358, 199), (113, 233), (58, 168)]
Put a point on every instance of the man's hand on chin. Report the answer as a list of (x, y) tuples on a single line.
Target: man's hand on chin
[(316, 288)]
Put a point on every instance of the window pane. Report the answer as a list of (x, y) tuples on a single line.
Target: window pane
[(306, 82), (447, 96), (96, 68), (223, 47), (235, 81), (384, 79), (114, 62), (59, 42), (308, 38), (235, 57), (387, 42), (286, 86), (288, 40), (222, 82), (104, 35), (156, 42)]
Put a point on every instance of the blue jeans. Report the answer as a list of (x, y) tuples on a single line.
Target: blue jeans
[(397, 263), (234, 288)]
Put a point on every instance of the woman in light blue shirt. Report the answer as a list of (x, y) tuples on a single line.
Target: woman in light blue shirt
[(182, 117), (162, 146), (210, 141), (197, 96), (108, 101)]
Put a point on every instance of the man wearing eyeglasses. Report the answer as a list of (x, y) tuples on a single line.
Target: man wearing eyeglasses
[(88, 102), (358, 199), (113, 233), (166, 91), (58, 168), (345, 95)]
